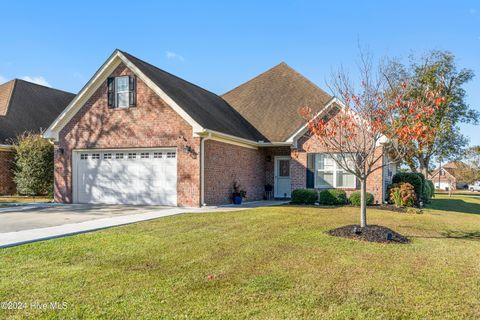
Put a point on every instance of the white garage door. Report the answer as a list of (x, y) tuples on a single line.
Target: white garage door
[(125, 177)]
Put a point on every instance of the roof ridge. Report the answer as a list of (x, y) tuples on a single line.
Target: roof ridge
[(42, 86), (171, 74), (282, 63), (257, 76)]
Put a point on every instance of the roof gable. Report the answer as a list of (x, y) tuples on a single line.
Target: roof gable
[(272, 100), (202, 109), (28, 107)]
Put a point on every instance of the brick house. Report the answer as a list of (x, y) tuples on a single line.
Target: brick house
[(448, 176), (137, 134), (24, 107)]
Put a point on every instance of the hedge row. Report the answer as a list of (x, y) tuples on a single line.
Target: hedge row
[(328, 197)]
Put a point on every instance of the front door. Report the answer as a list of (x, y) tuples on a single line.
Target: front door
[(282, 188)]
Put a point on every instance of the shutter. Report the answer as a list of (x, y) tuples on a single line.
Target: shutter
[(132, 96), (310, 170), (111, 92)]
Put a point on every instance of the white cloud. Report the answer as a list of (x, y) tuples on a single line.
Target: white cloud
[(38, 80), (173, 55), (2, 79)]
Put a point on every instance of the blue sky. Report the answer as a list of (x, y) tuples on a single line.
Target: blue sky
[(220, 44)]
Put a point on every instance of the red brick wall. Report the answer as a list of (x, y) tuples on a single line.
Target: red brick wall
[(312, 145), (226, 163), (271, 152), (7, 186), (152, 123)]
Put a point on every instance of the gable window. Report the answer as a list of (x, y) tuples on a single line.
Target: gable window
[(121, 92), (328, 174)]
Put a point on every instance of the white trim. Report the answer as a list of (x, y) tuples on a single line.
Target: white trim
[(95, 82), (246, 143), (294, 138), (81, 98), (202, 169)]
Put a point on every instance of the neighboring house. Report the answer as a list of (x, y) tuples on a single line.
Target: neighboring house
[(24, 107), (137, 134), (448, 176)]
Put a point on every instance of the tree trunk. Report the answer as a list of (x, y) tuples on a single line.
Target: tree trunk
[(424, 166), (363, 203)]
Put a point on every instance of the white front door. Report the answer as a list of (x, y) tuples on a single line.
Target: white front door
[(282, 188), (136, 176)]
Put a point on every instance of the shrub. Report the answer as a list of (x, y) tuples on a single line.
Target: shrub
[(402, 194), (414, 179), (432, 188), (333, 197), (33, 173), (421, 197), (307, 196), (356, 197), (427, 192)]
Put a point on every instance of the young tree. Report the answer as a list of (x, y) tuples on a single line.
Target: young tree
[(436, 71), (373, 123), (33, 173)]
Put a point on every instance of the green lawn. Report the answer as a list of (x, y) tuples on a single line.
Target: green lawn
[(266, 263)]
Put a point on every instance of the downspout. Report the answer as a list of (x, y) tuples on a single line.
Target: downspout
[(202, 169)]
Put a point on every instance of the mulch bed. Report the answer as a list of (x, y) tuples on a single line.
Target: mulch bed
[(372, 233), (389, 207)]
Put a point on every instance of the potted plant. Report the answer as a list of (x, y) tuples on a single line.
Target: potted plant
[(237, 193)]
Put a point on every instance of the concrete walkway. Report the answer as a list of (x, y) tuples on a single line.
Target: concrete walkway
[(9, 239)]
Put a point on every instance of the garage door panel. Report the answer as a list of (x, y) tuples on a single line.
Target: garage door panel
[(126, 176)]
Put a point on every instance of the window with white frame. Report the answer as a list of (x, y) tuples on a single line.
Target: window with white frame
[(328, 174), (121, 92)]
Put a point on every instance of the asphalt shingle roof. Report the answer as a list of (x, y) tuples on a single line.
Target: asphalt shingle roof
[(206, 108), (272, 100), (26, 106)]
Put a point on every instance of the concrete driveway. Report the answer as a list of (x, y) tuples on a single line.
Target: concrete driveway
[(43, 217), (21, 225)]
